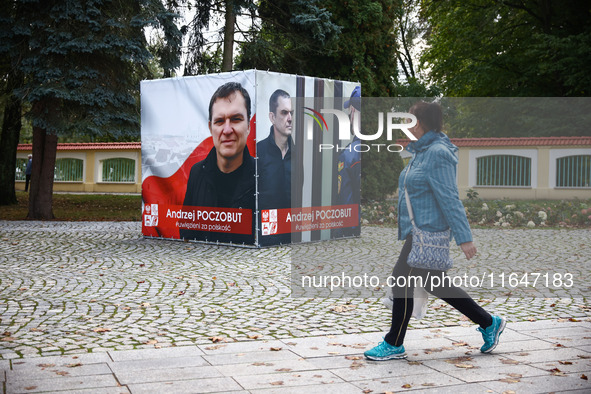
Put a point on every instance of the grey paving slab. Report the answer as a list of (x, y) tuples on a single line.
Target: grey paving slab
[(566, 366), (537, 356), (101, 390), (260, 368), (156, 364), (166, 374), (545, 384), (365, 369), (559, 332), (60, 361), (286, 379), (464, 388), (328, 346), (208, 385), (240, 347), (65, 383), (48, 371), (334, 388), (250, 357), (139, 354), (395, 384)]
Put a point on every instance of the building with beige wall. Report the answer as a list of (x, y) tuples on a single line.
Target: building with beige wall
[(524, 168), (113, 167), (513, 168)]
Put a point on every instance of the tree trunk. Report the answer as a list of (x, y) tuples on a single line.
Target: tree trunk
[(11, 128), (229, 36), (41, 192)]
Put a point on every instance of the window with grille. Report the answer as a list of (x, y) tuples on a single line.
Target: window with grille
[(503, 170), (573, 171), (68, 170), (118, 170), (21, 168)]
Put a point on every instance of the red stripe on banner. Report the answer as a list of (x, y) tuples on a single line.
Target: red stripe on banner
[(295, 220), (217, 220), (171, 191)]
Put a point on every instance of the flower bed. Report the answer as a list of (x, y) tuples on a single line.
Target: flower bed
[(499, 213)]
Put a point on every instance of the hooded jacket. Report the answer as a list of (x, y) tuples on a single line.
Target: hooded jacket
[(432, 189), (202, 192)]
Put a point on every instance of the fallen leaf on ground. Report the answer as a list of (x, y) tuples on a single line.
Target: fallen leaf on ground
[(508, 380), (284, 370), (460, 344), (557, 372), (46, 365), (278, 383), (356, 365), (101, 329), (74, 365), (406, 386), (428, 384), (30, 387), (216, 339), (565, 362), (255, 336), (515, 375), (415, 363), (466, 366), (262, 364), (151, 342), (584, 377), (508, 361), (276, 349), (62, 373), (215, 347), (353, 357)]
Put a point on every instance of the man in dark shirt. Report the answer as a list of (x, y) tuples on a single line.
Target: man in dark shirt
[(226, 177), (274, 161)]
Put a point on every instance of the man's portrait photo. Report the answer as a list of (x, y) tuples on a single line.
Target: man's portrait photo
[(226, 177)]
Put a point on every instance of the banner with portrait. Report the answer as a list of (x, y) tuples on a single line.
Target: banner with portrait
[(235, 158)]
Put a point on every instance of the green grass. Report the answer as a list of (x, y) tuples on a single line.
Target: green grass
[(81, 207)]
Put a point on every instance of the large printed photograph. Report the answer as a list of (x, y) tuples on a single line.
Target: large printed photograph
[(198, 158)]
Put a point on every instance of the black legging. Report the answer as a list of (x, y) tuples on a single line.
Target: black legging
[(403, 297)]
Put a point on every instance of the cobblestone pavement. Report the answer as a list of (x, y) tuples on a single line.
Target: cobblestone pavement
[(75, 287)]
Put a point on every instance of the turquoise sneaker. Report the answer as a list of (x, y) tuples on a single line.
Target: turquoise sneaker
[(384, 351), (492, 333)]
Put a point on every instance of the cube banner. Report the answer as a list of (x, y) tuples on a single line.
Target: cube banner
[(249, 158)]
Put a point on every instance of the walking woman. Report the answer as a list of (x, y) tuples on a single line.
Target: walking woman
[(433, 195)]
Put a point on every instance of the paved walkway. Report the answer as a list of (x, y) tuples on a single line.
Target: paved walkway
[(98, 299), (533, 357)]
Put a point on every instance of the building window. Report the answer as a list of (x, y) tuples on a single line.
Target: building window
[(68, 170), (503, 170), (118, 170), (573, 171), (21, 168)]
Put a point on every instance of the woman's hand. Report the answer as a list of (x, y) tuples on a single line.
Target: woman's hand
[(469, 249)]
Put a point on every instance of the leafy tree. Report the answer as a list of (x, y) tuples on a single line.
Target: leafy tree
[(82, 62), (213, 55), (353, 40), (509, 47)]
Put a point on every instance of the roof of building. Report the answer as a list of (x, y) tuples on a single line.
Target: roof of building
[(515, 141), (89, 146)]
